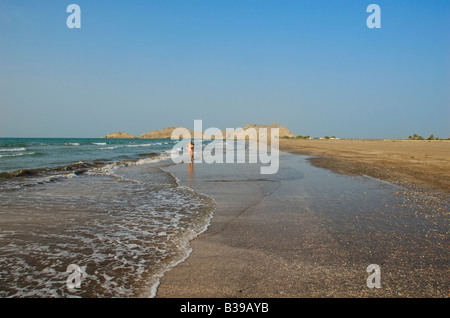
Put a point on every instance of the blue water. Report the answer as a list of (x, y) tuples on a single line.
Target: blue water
[(50, 153), (105, 205)]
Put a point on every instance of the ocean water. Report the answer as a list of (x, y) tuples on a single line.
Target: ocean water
[(50, 153), (104, 205)]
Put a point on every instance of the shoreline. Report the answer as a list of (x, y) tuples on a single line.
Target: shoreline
[(420, 166), (306, 232)]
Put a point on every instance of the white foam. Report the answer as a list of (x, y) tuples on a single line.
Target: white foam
[(109, 148), (12, 149), (152, 159), (52, 178), (99, 143), (140, 145), (141, 231), (107, 169), (18, 154)]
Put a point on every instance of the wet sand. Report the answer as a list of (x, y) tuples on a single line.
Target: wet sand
[(421, 165), (309, 232)]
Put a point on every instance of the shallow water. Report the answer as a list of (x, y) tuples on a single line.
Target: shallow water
[(124, 223), (323, 229)]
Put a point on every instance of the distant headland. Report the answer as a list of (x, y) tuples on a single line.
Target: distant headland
[(166, 133)]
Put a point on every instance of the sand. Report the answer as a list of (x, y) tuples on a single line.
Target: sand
[(310, 232), (410, 163)]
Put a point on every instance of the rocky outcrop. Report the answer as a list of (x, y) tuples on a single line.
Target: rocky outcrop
[(120, 134), (167, 133), (242, 133), (159, 134), (283, 131)]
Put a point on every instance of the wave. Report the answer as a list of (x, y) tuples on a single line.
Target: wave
[(12, 149), (102, 166), (18, 154), (140, 145), (149, 154), (135, 238), (99, 143), (72, 144), (77, 168), (15, 145), (19, 173), (152, 159)]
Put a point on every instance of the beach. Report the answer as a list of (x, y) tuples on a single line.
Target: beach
[(139, 225), (308, 231), (416, 164)]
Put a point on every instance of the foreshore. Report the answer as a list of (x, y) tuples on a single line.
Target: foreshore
[(414, 164), (310, 232)]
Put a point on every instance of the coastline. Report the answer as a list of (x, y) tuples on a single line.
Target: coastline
[(120, 217), (422, 166), (306, 232)]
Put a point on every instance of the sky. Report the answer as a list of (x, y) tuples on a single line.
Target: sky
[(312, 66)]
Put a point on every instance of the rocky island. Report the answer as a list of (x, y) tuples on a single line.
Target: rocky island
[(120, 135)]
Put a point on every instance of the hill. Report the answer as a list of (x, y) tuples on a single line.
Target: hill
[(120, 134)]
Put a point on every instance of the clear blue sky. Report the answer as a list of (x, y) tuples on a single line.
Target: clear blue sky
[(312, 66)]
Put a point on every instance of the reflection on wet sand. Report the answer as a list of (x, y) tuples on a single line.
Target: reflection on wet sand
[(307, 232), (190, 173)]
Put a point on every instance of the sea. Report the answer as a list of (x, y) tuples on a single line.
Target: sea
[(93, 217)]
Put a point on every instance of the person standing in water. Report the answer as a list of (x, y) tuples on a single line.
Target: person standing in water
[(190, 147)]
